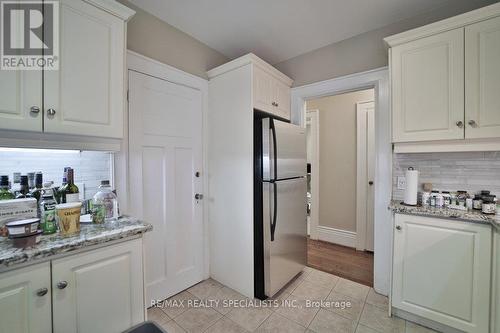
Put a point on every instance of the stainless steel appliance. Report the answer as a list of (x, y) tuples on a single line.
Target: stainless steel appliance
[(280, 204)]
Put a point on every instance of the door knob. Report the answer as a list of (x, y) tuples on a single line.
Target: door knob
[(398, 227), (42, 292), (460, 124), (472, 123), (35, 110), (197, 174), (51, 112), (198, 196), (62, 284)]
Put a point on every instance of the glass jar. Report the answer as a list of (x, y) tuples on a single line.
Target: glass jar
[(462, 198), (426, 196), (477, 203), (439, 200), (432, 200), (446, 198), (104, 204), (489, 205)]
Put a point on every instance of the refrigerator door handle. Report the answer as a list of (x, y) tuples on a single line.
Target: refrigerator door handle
[(275, 210), (275, 151)]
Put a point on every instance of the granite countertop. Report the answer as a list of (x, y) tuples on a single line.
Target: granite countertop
[(468, 216), (90, 234)]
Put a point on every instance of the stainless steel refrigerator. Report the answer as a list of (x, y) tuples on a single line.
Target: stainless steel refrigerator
[(280, 184)]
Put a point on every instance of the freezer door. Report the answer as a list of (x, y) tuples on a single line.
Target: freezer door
[(284, 150), (284, 254)]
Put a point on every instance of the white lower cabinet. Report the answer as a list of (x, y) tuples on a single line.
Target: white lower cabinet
[(25, 305), (442, 271), (99, 291), (495, 295)]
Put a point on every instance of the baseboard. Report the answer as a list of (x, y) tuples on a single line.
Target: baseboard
[(337, 236), (423, 321)]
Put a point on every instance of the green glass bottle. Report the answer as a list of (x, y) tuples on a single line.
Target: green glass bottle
[(24, 192), (37, 191), (48, 210), (5, 192), (70, 192)]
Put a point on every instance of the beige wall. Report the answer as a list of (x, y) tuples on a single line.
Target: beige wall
[(156, 39), (363, 52), (337, 158)]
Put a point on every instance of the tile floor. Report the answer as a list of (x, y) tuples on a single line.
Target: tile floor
[(367, 312)]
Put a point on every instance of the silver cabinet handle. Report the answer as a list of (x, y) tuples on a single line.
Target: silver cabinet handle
[(42, 292), (198, 196), (460, 124), (51, 112), (398, 227), (62, 284), (35, 110), (472, 123)]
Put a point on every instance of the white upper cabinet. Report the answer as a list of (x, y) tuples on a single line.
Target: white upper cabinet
[(270, 94), (427, 88), (86, 95), (21, 100), (441, 271), (25, 300), (482, 79)]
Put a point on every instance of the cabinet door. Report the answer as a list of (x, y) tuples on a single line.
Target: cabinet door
[(25, 303), (282, 99), (428, 88), (21, 100), (103, 292), (495, 295), (482, 79), (87, 92), (441, 271), (262, 90)]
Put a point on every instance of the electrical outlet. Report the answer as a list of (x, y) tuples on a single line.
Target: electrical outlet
[(401, 183)]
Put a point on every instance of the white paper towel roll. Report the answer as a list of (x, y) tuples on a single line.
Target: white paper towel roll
[(411, 190)]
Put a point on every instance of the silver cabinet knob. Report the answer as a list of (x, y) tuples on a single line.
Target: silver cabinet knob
[(398, 227), (62, 284), (274, 104), (42, 292), (198, 196), (460, 124), (35, 110), (51, 112), (472, 123), (370, 182)]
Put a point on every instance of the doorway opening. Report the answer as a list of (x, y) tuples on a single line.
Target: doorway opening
[(341, 170)]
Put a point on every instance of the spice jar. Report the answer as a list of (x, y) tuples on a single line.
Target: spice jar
[(446, 198), (489, 205), (453, 198), (426, 196), (439, 200), (461, 198), (432, 199), (477, 203)]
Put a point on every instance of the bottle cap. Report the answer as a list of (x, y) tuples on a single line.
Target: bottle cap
[(4, 180), (105, 182)]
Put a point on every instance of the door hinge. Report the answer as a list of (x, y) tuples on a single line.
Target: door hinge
[(127, 95)]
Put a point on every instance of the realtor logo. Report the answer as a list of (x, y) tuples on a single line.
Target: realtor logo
[(29, 35)]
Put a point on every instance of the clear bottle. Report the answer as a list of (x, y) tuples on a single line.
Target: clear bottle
[(5, 192), (105, 204), (47, 206), (24, 191)]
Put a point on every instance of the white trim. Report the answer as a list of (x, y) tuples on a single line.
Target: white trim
[(114, 8), (249, 58), (142, 64), (337, 236), (492, 144), (451, 23), (314, 218), (379, 80)]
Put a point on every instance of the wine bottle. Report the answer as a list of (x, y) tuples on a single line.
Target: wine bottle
[(37, 191), (5, 192), (24, 191), (70, 191)]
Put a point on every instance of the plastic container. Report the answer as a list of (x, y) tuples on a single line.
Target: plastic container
[(68, 218), (105, 203), (22, 228), (27, 241)]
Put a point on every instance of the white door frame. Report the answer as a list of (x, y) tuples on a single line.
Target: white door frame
[(379, 80), (142, 64), (314, 216), (362, 175)]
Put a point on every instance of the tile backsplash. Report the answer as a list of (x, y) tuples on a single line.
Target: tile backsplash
[(90, 166), (469, 171)]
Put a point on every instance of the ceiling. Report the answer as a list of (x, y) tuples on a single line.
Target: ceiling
[(277, 30)]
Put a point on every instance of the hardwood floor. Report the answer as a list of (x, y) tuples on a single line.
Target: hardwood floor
[(342, 261)]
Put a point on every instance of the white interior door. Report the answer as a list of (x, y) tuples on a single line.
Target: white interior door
[(365, 193), (165, 125)]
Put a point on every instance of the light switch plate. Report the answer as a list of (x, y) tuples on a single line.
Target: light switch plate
[(401, 183)]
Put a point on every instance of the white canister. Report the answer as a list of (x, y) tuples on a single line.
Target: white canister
[(411, 190)]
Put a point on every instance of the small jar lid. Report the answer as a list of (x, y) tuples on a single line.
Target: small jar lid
[(489, 198), (69, 205), (435, 191), (446, 192)]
